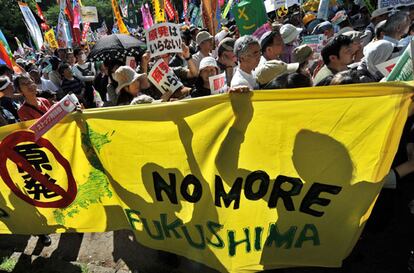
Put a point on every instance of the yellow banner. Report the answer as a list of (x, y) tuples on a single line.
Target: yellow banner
[(159, 10), (240, 182), (121, 26), (51, 39)]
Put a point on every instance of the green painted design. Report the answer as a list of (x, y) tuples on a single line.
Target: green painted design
[(97, 185)]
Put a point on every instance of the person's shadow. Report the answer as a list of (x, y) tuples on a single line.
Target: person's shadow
[(318, 158)]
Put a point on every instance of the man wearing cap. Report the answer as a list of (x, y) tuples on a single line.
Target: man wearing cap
[(205, 44), (290, 35), (357, 49), (272, 46), (302, 55), (273, 69), (325, 28), (226, 60), (247, 50), (6, 97), (377, 16)]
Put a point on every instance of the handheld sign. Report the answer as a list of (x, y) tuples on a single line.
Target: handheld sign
[(162, 76), (386, 67), (89, 15), (218, 84), (130, 61), (54, 115), (164, 38)]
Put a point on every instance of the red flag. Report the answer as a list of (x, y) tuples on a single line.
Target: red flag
[(170, 10), (5, 57)]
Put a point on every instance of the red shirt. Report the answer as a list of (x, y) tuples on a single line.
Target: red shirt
[(28, 112)]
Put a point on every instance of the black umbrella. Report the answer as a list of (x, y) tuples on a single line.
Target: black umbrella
[(116, 46)]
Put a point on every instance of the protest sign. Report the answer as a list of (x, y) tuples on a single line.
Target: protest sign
[(394, 3), (249, 15), (56, 113), (218, 84), (289, 3), (89, 15), (164, 38), (130, 61), (51, 39), (213, 179), (316, 42), (162, 76), (323, 9), (273, 5), (386, 67), (32, 25), (403, 69)]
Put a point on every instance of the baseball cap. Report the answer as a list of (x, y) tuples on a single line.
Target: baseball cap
[(322, 27), (272, 69), (302, 53), (227, 44)]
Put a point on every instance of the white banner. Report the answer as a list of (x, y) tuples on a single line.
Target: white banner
[(164, 38), (394, 3), (89, 15), (218, 84), (162, 76), (32, 25)]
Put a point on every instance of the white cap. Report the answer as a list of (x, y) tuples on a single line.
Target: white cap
[(206, 62), (289, 33)]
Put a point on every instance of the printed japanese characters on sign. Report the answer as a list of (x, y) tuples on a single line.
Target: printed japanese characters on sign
[(164, 38), (218, 84), (162, 76), (89, 15), (54, 115)]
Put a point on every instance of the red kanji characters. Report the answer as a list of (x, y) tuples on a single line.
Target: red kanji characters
[(163, 31), (164, 67), (152, 35), (157, 75)]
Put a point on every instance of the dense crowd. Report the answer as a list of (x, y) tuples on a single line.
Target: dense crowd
[(355, 43)]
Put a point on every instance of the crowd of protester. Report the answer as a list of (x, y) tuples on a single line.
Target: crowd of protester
[(355, 43)]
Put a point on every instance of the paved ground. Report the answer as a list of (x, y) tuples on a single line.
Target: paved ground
[(378, 251)]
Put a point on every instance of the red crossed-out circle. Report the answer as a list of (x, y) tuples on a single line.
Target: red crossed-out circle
[(7, 152)]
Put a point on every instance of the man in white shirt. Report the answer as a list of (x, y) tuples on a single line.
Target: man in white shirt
[(205, 43), (247, 50)]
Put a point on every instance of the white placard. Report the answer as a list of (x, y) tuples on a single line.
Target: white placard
[(163, 38), (89, 15), (272, 5), (56, 113), (218, 84), (162, 76), (386, 67), (130, 61)]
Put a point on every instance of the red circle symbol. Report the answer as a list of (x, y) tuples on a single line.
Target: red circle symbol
[(66, 103), (7, 152)]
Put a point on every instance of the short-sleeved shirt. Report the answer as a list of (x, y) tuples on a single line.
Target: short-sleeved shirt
[(28, 112), (241, 78)]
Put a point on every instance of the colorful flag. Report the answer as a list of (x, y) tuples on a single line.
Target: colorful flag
[(159, 11), (131, 12), (76, 22), (43, 25), (20, 49), (209, 9), (146, 16), (227, 9), (6, 45), (249, 15), (169, 9), (31, 25), (86, 27), (4, 56), (121, 26), (50, 39), (63, 31)]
